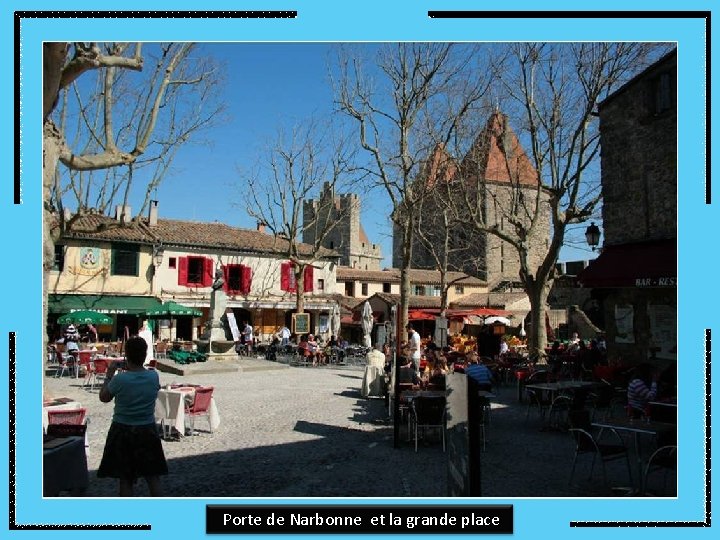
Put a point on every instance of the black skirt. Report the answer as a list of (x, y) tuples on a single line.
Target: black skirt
[(132, 452)]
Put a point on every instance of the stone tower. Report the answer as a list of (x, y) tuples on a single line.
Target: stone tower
[(495, 150), (347, 235)]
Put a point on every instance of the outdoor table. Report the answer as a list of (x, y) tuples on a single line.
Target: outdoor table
[(170, 408), (64, 466), (56, 405), (637, 427)]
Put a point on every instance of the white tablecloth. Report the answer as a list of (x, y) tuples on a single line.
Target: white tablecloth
[(170, 409)]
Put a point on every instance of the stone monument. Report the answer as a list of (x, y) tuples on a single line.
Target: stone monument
[(217, 342)]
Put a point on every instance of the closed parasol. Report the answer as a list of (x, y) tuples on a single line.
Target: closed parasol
[(367, 324)]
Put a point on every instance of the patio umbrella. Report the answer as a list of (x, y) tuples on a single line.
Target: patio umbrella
[(335, 320), (85, 317), (169, 310), (367, 323), (498, 320)]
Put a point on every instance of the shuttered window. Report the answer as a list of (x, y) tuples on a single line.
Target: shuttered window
[(125, 259), (238, 279), (195, 271)]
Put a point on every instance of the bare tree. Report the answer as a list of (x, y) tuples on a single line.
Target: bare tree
[(110, 110), (425, 89), (308, 162), (550, 92)]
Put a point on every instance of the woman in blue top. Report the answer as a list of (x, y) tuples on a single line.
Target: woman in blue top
[(133, 448)]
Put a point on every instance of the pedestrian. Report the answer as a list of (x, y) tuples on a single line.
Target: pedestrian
[(479, 372), (284, 335), (414, 347), (248, 337), (133, 448)]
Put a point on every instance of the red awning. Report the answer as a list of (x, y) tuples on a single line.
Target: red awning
[(420, 315), (646, 264)]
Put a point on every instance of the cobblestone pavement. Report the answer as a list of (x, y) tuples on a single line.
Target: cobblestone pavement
[(307, 432)]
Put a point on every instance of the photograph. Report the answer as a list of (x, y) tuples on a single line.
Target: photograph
[(290, 277)]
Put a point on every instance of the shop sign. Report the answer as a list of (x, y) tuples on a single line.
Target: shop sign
[(656, 282)]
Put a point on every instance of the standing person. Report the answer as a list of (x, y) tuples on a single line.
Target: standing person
[(284, 335), (248, 337), (133, 448), (414, 347)]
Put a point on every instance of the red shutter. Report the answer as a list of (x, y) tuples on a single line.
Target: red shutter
[(182, 270), (208, 274), (285, 276), (308, 279), (226, 279), (245, 279)]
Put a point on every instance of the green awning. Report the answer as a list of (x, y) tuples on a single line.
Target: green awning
[(132, 305)]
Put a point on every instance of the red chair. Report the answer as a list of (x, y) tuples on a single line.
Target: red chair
[(84, 359), (98, 368), (66, 416), (200, 406)]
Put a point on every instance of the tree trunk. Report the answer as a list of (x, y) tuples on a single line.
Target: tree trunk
[(537, 339), (405, 280)]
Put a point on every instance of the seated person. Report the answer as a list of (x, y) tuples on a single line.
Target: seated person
[(273, 348), (407, 373), (642, 389), (314, 350), (479, 373)]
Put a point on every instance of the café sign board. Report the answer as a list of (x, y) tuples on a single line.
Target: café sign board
[(656, 282)]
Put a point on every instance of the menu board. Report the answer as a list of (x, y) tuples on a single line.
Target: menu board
[(301, 323), (233, 325), (663, 330)]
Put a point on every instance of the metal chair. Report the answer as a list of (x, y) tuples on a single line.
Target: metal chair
[(585, 443), (663, 459), (428, 412), (200, 406), (65, 362)]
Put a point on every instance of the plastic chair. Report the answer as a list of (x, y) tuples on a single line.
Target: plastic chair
[(585, 443), (663, 459), (428, 412), (66, 416), (98, 368), (200, 406), (161, 350), (84, 359)]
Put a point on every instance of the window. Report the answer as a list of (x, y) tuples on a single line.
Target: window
[(419, 290), (386, 287), (172, 262), (436, 290), (321, 284), (59, 261), (459, 289), (349, 288), (238, 279), (125, 259), (196, 271), (196, 265), (364, 289)]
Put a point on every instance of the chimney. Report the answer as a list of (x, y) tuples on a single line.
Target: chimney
[(153, 214), (261, 226), (120, 210)]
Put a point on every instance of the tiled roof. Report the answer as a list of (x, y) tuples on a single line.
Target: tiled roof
[(171, 232), (429, 277)]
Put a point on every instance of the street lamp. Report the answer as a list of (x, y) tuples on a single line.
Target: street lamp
[(158, 252), (592, 235)]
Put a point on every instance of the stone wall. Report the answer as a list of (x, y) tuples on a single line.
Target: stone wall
[(638, 160)]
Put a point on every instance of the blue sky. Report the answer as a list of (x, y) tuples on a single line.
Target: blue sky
[(267, 86)]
